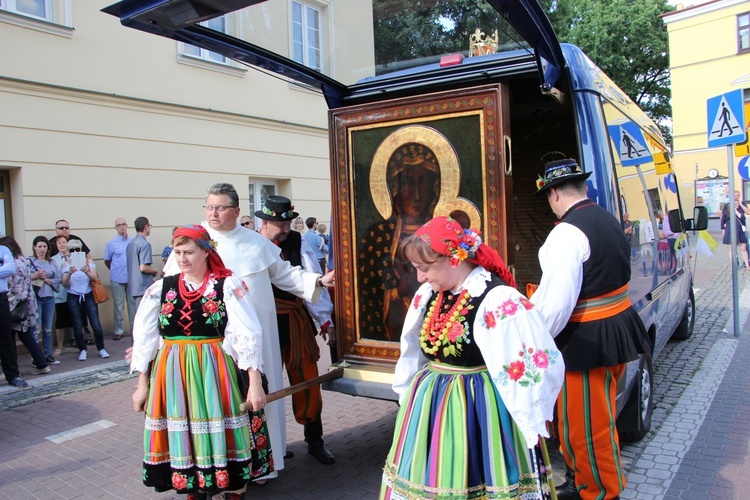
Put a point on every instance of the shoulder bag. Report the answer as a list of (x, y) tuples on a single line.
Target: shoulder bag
[(98, 291), (20, 312), (37, 283)]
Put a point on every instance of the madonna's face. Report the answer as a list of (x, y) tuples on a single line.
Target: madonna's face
[(416, 190)]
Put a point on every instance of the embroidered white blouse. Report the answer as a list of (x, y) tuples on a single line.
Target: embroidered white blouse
[(242, 336), (520, 354)]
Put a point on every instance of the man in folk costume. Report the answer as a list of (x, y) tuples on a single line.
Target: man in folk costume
[(297, 331), (583, 296), (257, 261)]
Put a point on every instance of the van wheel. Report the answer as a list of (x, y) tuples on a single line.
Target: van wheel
[(634, 421), (685, 329)]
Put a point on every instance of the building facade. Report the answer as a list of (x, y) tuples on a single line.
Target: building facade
[(99, 121), (709, 48)]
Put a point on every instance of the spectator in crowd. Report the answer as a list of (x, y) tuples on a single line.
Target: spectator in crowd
[(167, 251), (8, 354), (45, 276), (326, 244), (297, 330), (116, 260), (739, 210), (81, 301), (298, 225), (315, 241), (19, 290), (247, 222), (141, 273), (63, 319), (62, 228)]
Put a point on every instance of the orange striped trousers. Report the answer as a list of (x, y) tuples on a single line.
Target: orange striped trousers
[(586, 412)]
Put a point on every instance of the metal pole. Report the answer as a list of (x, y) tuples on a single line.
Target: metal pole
[(732, 223)]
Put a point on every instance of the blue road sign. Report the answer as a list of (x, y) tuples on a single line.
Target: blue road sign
[(631, 144), (669, 183), (744, 168), (726, 119)]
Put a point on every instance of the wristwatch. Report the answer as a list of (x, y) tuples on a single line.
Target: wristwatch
[(319, 282)]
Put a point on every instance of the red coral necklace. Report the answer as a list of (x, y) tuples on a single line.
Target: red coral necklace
[(437, 324), (190, 296)]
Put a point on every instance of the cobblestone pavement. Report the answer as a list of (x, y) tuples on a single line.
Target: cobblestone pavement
[(74, 434)]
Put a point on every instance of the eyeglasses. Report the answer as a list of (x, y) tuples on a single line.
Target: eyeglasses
[(63, 228), (149, 225), (219, 208), (245, 223), (120, 225)]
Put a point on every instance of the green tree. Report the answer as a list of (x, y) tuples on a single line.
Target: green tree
[(628, 40)]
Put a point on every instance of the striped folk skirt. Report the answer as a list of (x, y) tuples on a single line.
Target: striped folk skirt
[(454, 439), (196, 437)]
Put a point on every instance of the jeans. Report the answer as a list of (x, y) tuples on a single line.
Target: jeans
[(80, 307), (45, 313), (28, 339), (119, 296), (8, 355)]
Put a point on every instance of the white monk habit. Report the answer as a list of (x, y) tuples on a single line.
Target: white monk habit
[(257, 261)]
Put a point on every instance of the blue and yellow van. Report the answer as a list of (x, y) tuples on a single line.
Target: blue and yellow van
[(452, 108)]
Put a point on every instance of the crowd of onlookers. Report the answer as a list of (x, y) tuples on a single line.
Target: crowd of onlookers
[(52, 290)]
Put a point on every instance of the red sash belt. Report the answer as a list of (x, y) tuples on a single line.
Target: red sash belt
[(600, 307), (302, 344)]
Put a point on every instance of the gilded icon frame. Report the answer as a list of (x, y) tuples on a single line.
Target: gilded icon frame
[(467, 132)]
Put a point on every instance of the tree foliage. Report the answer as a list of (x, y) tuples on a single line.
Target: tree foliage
[(626, 38)]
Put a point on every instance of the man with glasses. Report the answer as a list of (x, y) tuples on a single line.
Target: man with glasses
[(62, 228), (141, 272), (116, 260), (258, 262), (247, 221)]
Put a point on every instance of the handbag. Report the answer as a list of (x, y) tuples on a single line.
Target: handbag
[(20, 312), (98, 291), (38, 283)]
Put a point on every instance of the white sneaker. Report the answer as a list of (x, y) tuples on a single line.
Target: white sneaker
[(82, 356), (41, 371), (103, 353)]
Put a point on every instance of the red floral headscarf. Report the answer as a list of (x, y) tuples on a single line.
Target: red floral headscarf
[(203, 239), (446, 237)]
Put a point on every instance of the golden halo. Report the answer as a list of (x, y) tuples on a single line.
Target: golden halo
[(450, 172)]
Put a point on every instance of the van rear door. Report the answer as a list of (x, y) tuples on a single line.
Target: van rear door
[(366, 44)]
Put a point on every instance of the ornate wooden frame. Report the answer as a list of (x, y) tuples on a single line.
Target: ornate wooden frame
[(469, 132)]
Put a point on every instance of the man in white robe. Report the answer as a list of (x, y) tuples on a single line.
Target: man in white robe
[(257, 261)]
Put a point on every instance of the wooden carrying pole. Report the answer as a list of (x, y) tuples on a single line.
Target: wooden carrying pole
[(288, 391)]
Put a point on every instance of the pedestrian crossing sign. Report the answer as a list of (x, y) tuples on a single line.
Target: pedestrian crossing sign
[(631, 144), (725, 119)]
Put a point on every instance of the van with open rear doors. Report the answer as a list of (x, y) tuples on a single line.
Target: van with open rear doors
[(451, 108)]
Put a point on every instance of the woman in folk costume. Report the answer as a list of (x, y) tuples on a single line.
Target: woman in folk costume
[(477, 378), (198, 328)]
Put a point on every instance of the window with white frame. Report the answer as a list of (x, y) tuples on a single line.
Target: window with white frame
[(49, 16), (259, 190), (743, 32), (306, 35), (217, 24), (39, 9)]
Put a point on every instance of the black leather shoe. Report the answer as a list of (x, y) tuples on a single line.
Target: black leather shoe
[(568, 490), (321, 453)]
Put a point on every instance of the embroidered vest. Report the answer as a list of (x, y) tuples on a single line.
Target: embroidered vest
[(206, 317)]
